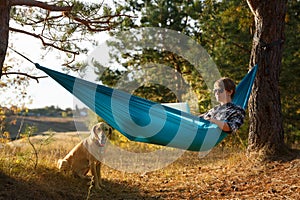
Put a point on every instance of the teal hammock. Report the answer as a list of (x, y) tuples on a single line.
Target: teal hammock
[(145, 121)]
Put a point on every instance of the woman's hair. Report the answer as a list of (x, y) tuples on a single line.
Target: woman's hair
[(227, 84)]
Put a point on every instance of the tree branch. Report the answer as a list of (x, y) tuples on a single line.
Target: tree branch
[(43, 41), (42, 20), (234, 43), (77, 20), (33, 3), (24, 74), (101, 20)]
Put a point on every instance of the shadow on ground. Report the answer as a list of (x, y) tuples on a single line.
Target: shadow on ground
[(64, 188)]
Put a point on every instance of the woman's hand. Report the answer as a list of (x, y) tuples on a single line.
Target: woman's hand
[(221, 124)]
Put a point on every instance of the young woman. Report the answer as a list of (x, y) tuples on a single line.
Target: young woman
[(228, 116)]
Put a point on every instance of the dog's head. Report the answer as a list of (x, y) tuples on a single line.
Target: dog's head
[(102, 128), (63, 165)]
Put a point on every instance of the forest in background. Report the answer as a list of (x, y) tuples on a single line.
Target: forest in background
[(225, 30)]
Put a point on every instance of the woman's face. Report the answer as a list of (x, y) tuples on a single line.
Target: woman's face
[(223, 96)]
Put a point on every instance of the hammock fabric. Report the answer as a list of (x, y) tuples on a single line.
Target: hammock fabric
[(142, 120)]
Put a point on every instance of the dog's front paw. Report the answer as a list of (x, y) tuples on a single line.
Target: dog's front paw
[(97, 186)]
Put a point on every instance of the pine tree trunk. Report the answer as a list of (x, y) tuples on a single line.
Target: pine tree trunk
[(266, 134), (4, 30)]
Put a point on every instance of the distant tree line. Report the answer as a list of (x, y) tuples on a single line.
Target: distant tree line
[(50, 111)]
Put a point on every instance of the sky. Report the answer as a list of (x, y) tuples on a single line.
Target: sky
[(47, 92)]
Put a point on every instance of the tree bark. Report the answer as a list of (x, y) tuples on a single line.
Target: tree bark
[(4, 30), (266, 134)]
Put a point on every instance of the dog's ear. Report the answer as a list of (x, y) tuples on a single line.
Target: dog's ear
[(95, 129), (110, 130)]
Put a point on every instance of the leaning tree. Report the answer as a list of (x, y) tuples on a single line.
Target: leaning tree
[(266, 129)]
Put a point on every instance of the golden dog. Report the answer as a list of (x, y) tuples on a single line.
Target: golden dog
[(87, 154)]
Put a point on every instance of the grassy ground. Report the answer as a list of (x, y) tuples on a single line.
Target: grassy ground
[(223, 174)]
